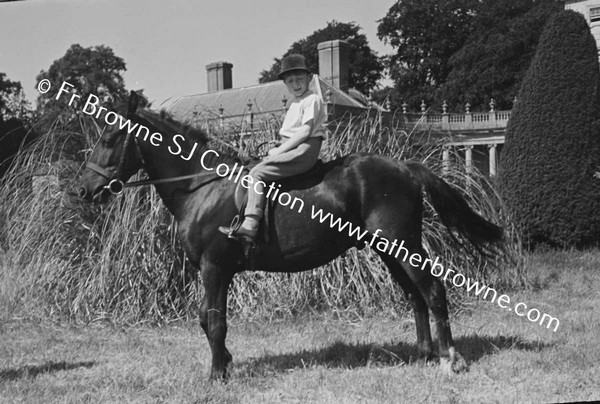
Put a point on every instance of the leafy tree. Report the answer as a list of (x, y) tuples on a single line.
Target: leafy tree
[(424, 34), (552, 145), (14, 109), (94, 70), (461, 50), (365, 67), (497, 53), (12, 100)]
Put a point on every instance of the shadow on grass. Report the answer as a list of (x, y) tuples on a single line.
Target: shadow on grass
[(348, 356), (474, 347), (337, 355), (32, 371)]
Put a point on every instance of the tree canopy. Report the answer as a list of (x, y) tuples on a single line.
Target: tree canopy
[(424, 34), (553, 140), (12, 99), (461, 50), (497, 53), (94, 70), (365, 67)]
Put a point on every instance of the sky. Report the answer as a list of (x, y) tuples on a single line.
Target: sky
[(167, 44)]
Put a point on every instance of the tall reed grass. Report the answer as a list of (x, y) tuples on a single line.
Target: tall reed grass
[(122, 262)]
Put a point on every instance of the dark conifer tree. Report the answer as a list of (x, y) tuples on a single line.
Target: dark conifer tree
[(552, 145)]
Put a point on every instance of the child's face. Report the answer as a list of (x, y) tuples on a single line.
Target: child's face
[(297, 83)]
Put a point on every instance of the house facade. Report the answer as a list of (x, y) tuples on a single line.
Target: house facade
[(591, 11), (246, 110)]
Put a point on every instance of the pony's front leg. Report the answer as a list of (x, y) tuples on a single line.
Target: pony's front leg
[(213, 316)]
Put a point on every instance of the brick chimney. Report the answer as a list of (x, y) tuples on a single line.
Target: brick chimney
[(333, 63), (218, 76)]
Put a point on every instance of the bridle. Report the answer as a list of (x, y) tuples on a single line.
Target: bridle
[(113, 173)]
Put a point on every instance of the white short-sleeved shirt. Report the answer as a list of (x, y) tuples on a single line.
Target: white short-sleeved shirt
[(302, 111)]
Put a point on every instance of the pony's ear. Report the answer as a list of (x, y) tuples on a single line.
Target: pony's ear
[(132, 103)]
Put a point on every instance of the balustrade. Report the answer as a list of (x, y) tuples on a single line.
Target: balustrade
[(461, 122)]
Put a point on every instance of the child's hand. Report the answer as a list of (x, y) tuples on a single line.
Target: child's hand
[(274, 152)]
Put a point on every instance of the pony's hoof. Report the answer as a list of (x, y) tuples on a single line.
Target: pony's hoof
[(453, 364), (221, 372), (426, 352), (446, 366), (218, 376), (460, 365)]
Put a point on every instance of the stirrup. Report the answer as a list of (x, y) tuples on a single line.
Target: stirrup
[(233, 231), (236, 224)]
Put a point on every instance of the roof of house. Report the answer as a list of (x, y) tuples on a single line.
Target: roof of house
[(265, 98)]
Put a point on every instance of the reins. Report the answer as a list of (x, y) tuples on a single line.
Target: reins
[(113, 174), (116, 186), (173, 179)]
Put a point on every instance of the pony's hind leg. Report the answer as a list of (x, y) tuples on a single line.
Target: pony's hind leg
[(421, 312), (213, 316), (434, 293)]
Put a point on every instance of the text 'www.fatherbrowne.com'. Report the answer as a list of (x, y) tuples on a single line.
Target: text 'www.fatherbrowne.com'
[(396, 249)]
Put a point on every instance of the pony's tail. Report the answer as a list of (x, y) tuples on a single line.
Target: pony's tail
[(454, 211)]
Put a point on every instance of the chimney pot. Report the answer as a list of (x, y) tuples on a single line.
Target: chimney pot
[(333, 63), (219, 76)]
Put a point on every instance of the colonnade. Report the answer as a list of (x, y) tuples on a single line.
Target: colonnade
[(468, 157)]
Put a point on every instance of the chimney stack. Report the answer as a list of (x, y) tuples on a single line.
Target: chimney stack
[(218, 76), (333, 63)]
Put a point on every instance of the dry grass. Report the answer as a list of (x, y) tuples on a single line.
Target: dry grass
[(324, 359), (67, 259)]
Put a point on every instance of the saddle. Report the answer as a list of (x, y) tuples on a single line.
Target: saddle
[(298, 181), (304, 180)]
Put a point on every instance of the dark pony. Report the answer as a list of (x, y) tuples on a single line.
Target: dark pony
[(378, 195)]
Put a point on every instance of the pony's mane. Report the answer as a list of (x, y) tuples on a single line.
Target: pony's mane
[(165, 123), (168, 126)]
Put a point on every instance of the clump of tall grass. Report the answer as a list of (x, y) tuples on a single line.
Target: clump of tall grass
[(77, 260), (123, 262)]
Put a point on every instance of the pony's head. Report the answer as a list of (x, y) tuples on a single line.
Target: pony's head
[(114, 159)]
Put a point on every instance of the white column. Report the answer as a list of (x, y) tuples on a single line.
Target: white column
[(446, 159), (493, 159), (469, 159)]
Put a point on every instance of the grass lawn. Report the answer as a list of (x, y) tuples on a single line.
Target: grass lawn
[(325, 358)]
